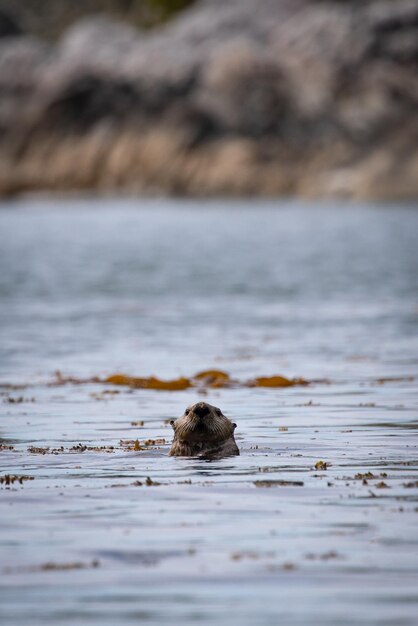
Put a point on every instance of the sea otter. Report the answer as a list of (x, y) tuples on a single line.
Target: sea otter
[(205, 432)]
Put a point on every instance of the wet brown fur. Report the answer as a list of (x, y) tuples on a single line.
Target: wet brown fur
[(209, 437)]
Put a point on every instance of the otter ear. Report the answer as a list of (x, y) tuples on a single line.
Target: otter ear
[(234, 425), (172, 425)]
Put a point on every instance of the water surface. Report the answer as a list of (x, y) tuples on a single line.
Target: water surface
[(328, 293)]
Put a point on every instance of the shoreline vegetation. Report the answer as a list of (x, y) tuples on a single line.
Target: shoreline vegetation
[(306, 98)]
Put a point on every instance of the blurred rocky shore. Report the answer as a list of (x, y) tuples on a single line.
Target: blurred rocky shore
[(231, 97)]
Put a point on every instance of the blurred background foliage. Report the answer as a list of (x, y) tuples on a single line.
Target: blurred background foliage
[(50, 18)]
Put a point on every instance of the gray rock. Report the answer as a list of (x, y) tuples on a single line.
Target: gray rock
[(9, 26), (98, 41), (293, 96), (22, 60)]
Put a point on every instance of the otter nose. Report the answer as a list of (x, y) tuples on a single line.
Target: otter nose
[(201, 410)]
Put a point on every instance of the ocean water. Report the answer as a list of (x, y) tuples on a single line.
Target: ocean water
[(327, 292)]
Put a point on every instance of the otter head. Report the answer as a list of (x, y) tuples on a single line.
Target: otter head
[(203, 423)]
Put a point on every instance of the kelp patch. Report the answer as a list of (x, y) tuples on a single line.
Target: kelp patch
[(278, 483), (10, 479), (277, 381), (212, 378), (179, 384)]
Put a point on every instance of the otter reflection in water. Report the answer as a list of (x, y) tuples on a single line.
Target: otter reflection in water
[(203, 431)]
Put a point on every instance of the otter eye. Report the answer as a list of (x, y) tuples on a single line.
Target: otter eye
[(187, 411), (218, 411)]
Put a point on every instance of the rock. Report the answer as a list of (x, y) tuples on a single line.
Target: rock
[(9, 26), (22, 60), (98, 41), (307, 97), (87, 99), (244, 90)]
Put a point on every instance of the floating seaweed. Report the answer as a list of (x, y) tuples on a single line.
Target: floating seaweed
[(10, 479), (79, 447), (394, 379), (18, 400), (276, 381), (136, 445), (54, 567), (179, 384), (321, 465), (278, 483), (151, 483), (411, 485), (211, 378)]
